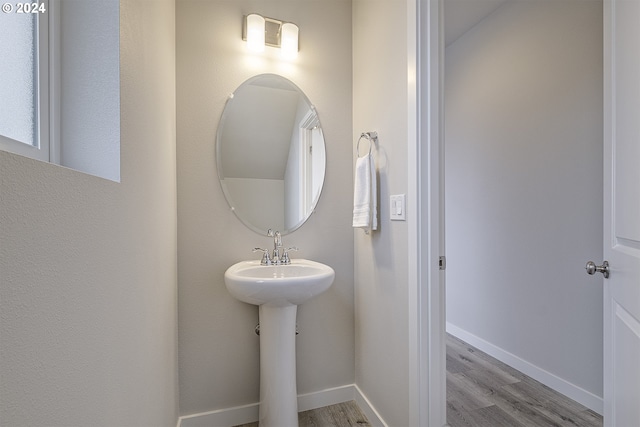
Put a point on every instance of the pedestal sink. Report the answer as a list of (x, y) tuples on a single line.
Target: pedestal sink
[(278, 290)]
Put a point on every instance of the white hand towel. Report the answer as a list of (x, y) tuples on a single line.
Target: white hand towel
[(365, 190)]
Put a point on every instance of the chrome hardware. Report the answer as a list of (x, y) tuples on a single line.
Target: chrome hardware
[(257, 329), (592, 268), (285, 255), (369, 136), (280, 256), (277, 245), (265, 256)]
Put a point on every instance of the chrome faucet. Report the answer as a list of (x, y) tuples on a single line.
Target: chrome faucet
[(277, 245), (280, 255)]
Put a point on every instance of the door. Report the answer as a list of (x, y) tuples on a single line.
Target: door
[(622, 213)]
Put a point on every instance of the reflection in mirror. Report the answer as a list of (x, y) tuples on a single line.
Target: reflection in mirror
[(270, 154)]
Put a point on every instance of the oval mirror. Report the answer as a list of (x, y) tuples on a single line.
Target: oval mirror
[(270, 154)]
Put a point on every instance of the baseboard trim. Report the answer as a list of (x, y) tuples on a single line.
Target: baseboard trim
[(369, 410), (222, 417), (326, 397), (558, 384), (249, 413)]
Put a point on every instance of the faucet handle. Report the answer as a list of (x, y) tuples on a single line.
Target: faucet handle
[(265, 256), (285, 255)]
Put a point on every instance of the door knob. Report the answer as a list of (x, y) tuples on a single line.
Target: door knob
[(592, 268)]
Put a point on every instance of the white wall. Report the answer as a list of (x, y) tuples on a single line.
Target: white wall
[(524, 186), (88, 266), (219, 357), (380, 104)]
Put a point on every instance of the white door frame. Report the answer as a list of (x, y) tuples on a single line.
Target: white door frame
[(427, 364)]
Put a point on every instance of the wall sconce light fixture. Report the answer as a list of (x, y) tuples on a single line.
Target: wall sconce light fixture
[(254, 32), (259, 31), (289, 40)]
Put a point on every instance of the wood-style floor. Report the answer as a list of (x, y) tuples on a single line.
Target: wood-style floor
[(346, 414), (481, 392), (484, 392)]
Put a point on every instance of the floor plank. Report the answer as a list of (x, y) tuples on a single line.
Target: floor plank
[(487, 416), (346, 414)]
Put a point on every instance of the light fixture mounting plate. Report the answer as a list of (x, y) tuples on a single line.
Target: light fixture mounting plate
[(272, 31)]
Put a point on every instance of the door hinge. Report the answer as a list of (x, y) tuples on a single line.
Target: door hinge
[(443, 263)]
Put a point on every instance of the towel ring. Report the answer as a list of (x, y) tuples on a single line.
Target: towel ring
[(369, 136)]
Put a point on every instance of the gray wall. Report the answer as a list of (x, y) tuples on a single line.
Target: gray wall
[(524, 185), (218, 348), (88, 266), (380, 103)]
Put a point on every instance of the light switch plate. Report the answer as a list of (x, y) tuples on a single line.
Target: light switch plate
[(397, 207)]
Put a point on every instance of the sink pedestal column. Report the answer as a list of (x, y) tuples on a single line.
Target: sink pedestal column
[(278, 395)]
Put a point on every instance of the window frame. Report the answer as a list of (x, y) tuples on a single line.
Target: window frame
[(46, 37)]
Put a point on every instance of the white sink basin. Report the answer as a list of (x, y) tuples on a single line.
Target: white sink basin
[(278, 285)]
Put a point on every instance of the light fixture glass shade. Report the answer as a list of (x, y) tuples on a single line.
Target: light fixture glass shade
[(289, 41), (255, 33)]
